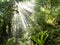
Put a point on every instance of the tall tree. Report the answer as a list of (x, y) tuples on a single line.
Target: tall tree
[(6, 14)]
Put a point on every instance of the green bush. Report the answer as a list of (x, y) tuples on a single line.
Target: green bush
[(10, 41), (40, 38)]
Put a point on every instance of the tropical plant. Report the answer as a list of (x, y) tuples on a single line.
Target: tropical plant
[(40, 38)]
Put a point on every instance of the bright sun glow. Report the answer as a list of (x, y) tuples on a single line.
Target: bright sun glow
[(22, 6)]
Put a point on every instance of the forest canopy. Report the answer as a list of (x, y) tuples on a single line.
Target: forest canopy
[(42, 24)]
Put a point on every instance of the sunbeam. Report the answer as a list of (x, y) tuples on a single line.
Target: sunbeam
[(21, 15)]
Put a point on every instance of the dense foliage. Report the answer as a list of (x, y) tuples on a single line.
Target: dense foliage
[(6, 14), (46, 17), (43, 25)]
